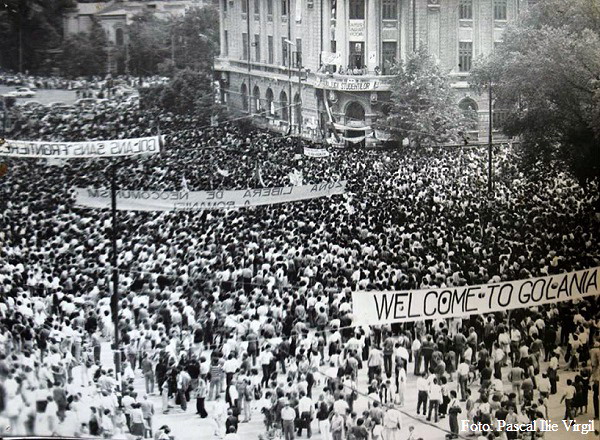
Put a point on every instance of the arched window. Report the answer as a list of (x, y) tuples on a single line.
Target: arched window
[(256, 99), (355, 113), (244, 97), (270, 103), (283, 103), (469, 109), (297, 110), (498, 116), (119, 37)]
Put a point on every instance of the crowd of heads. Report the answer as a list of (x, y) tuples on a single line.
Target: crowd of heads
[(251, 308)]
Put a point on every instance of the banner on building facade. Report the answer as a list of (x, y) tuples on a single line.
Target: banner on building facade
[(374, 308), (356, 84), (83, 149), (133, 200), (316, 152)]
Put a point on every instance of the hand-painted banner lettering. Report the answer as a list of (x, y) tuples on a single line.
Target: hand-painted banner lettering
[(131, 200), (316, 152), (371, 308), (83, 149)]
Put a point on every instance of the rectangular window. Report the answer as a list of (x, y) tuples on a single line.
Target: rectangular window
[(499, 9), (357, 10), (226, 43), (270, 7), (284, 52), (389, 50), (465, 56), (256, 7), (465, 10), (225, 5), (257, 48), (270, 49), (298, 52), (244, 6), (389, 10), (284, 5), (244, 46)]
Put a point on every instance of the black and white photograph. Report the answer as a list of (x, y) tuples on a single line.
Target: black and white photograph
[(300, 219)]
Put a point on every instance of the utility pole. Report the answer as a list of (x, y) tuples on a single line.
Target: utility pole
[(290, 97), (490, 139), (114, 299)]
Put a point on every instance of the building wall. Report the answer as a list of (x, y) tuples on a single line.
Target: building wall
[(433, 24)]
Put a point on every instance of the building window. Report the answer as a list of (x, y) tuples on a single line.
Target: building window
[(270, 49), (357, 10), (465, 10), (284, 8), (284, 51), (244, 6), (465, 56), (357, 55), (257, 48), (244, 97), (270, 7), (499, 9), (389, 10), (119, 38), (468, 107), (498, 117), (225, 5), (388, 50), (256, 7), (225, 43), (256, 99), (298, 52), (244, 46), (285, 111), (270, 103)]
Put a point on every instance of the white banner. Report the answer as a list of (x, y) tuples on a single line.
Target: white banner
[(83, 149), (131, 200), (373, 308), (316, 152)]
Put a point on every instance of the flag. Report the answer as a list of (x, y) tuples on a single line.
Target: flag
[(161, 140), (296, 177), (258, 175), (184, 184)]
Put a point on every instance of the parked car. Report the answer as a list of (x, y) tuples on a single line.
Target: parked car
[(22, 92)]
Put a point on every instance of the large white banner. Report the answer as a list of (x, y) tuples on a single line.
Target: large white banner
[(130, 200), (372, 308), (316, 152), (83, 149)]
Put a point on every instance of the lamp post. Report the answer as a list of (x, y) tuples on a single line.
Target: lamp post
[(114, 299)]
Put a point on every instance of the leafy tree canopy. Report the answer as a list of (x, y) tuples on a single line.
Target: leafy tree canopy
[(546, 75), (422, 106)]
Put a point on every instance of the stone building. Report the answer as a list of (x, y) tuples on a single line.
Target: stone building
[(296, 64)]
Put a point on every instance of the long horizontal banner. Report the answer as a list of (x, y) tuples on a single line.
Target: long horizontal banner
[(316, 152), (84, 149), (372, 308), (130, 200)]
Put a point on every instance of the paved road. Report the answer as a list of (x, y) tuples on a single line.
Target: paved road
[(45, 96), (188, 426)]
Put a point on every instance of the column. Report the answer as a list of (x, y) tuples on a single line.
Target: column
[(372, 46), (340, 31)]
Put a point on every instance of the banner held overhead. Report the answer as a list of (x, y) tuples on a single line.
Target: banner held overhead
[(132, 200), (374, 308), (316, 152), (83, 149)]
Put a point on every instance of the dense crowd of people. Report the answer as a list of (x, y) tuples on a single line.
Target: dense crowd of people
[(250, 309)]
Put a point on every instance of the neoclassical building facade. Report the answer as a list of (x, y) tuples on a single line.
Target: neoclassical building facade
[(297, 64)]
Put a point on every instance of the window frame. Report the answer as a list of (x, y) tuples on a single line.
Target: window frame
[(389, 9), (465, 10), (500, 10), (355, 12), (465, 57)]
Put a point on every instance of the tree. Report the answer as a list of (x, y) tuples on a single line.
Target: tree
[(28, 29), (149, 43), (188, 93), (84, 54), (422, 106), (196, 38), (545, 75)]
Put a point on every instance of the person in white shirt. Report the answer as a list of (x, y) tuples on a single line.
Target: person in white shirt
[(435, 397), (305, 412)]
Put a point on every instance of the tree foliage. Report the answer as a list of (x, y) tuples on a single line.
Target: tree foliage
[(546, 74), (188, 93), (148, 43), (84, 54), (422, 106), (196, 37), (31, 27)]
